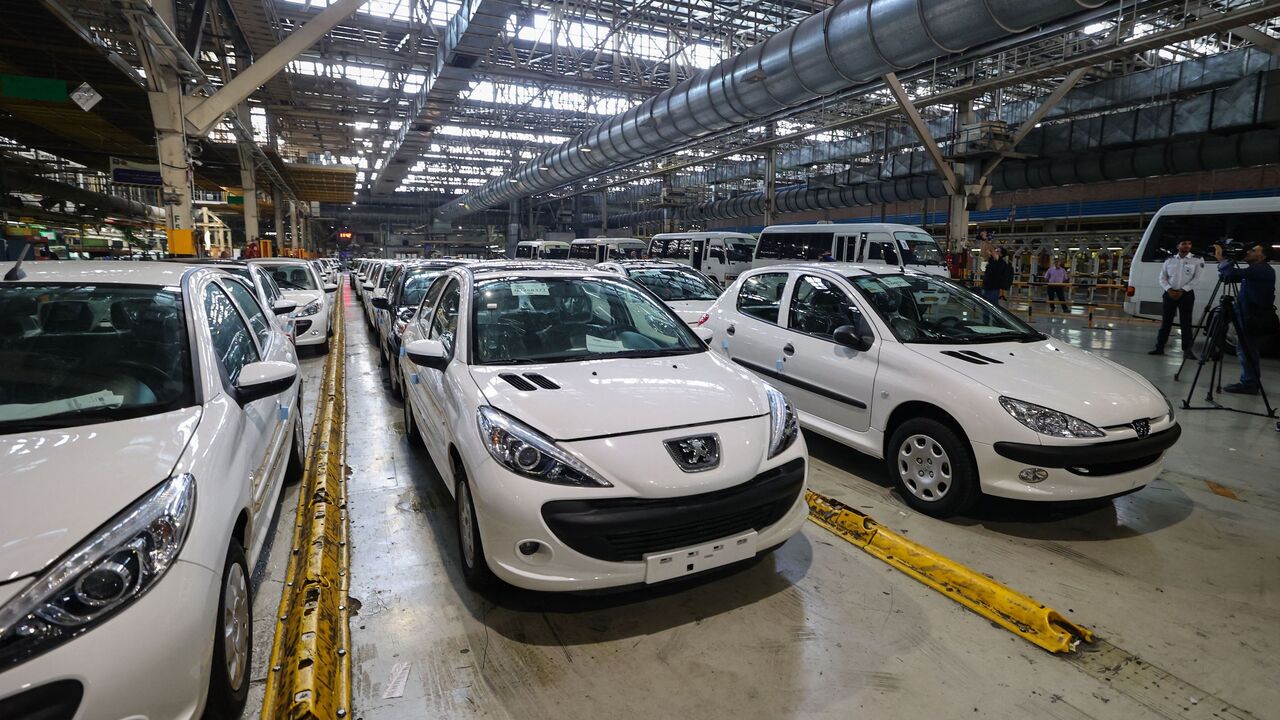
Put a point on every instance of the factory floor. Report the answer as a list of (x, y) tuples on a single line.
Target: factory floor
[(1181, 582)]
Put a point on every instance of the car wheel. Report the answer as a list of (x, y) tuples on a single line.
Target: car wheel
[(297, 453), (232, 641), (932, 467), (410, 427), (397, 382), (470, 548)]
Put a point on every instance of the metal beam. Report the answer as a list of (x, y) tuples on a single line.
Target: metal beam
[(194, 36), (208, 112), (922, 131), (1030, 123)]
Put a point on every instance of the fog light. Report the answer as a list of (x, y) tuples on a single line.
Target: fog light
[(1033, 475), (528, 547)]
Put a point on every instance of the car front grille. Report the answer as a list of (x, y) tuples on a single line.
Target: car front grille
[(627, 529)]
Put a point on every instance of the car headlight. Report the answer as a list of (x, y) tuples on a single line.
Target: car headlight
[(784, 427), (527, 452), (103, 575), (1049, 422), (311, 308)]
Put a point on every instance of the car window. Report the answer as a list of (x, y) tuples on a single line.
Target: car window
[(761, 296), (249, 304), (444, 320), (928, 309), (269, 287), (818, 307), (562, 319), (293, 276), (524, 251), (232, 342), (673, 285), (429, 302)]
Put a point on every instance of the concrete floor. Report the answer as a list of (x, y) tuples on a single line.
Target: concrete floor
[(1182, 577)]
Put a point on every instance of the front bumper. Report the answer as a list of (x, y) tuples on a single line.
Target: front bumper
[(1074, 472), (315, 334), (151, 660), (595, 538)]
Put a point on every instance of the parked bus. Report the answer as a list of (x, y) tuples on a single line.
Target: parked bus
[(542, 250), (600, 249), (904, 246), (1204, 222), (720, 255)]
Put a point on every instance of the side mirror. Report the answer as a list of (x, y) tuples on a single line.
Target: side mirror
[(857, 336), (263, 379), (427, 353), (284, 307), (368, 286), (331, 287), (380, 302), (704, 334)]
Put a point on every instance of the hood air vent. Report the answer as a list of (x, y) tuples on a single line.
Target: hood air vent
[(542, 381), (970, 356), (518, 382)]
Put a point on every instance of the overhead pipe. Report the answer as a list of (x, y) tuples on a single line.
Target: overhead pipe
[(851, 43), (17, 180), (1201, 154)]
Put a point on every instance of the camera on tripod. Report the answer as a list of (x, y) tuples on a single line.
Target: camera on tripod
[(1233, 250)]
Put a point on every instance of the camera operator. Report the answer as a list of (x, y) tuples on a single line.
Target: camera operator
[(1177, 277), (1255, 308)]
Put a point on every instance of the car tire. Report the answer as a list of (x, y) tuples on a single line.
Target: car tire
[(232, 640), (297, 450), (475, 569), (932, 467), (411, 432)]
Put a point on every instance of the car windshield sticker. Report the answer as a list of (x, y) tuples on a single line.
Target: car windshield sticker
[(895, 282), (526, 288), (25, 411), (987, 329), (870, 286), (904, 244), (597, 344)]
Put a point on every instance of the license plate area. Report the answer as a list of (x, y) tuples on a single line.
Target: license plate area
[(697, 558)]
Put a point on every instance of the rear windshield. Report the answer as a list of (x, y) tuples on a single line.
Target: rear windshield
[(672, 285), (793, 245), (1205, 230), (73, 354)]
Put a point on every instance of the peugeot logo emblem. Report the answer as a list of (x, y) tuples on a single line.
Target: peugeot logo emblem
[(1142, 426), (696, 453)]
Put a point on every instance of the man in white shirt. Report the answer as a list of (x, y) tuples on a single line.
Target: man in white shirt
[(1177, 277)]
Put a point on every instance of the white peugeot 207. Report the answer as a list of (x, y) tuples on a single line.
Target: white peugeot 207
[(957, 395), (589, 437), (149, 414)]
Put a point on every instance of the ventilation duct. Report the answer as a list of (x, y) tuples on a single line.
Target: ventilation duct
[(854, 42), (17, 180)]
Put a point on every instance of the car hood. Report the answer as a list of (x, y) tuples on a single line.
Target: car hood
[(302, 297), (599, 398), (60, 485), (690, 311), (1055, 375)]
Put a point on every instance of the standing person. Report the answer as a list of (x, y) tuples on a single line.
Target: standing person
[(1255, 307), (998, 276), (1177, 277), (1057, 277)]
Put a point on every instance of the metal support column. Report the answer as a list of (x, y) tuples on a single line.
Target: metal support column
[(277, 205), (248, 183), (164, 94), (293, 226), (604, 212), (513, 227)]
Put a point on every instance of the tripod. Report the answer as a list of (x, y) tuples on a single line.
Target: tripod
[(1217, 321)]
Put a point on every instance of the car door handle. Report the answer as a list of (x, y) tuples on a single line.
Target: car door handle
[(729, 330), (788, 349)]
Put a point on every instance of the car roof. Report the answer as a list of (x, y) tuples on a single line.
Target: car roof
[(488, 268), (844, 268), (104, 272), (277, 261), (654, 264)]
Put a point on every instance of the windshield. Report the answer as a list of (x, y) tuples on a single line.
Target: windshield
[(671, 285), (569, 319), (79, 354), (918, 248), (583, 251), (416, 284), (741, 250), (555, 252), (932, 310), (293, 276)]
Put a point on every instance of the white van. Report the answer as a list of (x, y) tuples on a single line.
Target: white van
[(720, 255), (599, 249), (1204, 222), (542, 250), (901, 246)]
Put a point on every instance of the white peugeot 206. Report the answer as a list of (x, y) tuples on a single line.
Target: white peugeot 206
[(589, 437), (957, 395), (149, 414)]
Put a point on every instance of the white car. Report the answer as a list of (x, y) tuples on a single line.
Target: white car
[(300, 282), (686, 291), (589, 437), (958, 396), (149, 415), (375, 285), (269, 294)]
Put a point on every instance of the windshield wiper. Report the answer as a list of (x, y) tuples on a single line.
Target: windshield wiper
[(63, 419)]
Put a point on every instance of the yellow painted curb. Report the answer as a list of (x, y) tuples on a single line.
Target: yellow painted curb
[(310, 674), (1005, 606)]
